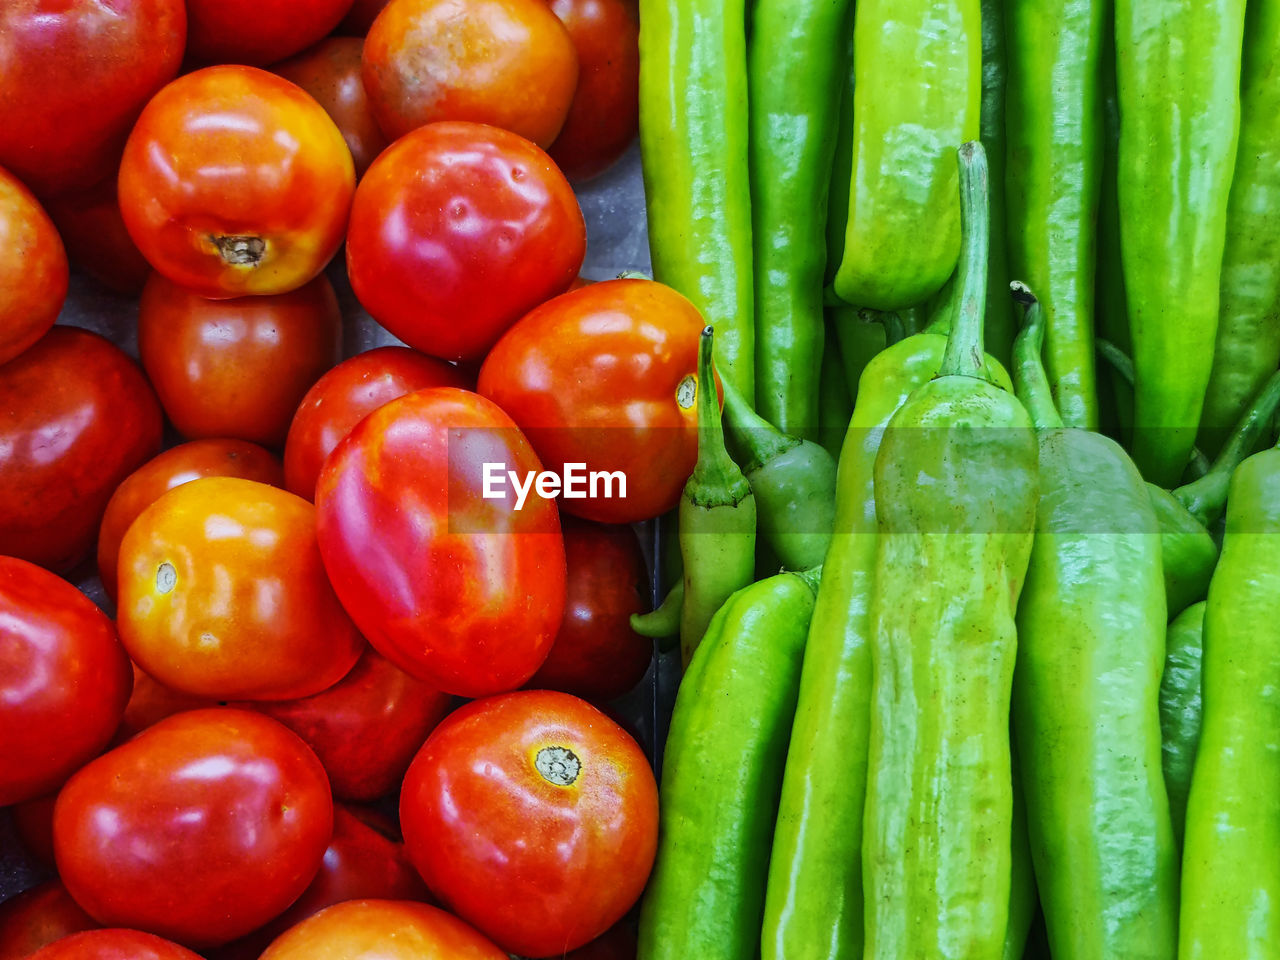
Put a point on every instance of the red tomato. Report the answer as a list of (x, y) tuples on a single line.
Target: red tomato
[(360, 17), (509, 63), (606, 376), (73, 76), (33, 272), (346, 395), (237, 368), (37, 917), (235, 182), (330, 72), (114, 945), (382, 930), (258, 31), (596, 654), (64, 680), (605, 114), (76, 418), (456, 231), (174, 467), (366, 728), (534, 817), (201, 828), (151, 702), (362, 862), (462, 591), (222, 594), (97, 241)]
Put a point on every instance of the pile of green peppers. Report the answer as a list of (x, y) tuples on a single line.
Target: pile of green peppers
[(980, 635)]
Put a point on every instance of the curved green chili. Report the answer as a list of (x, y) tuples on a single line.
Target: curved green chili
[(1180, 708)]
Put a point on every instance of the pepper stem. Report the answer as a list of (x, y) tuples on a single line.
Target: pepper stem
[(964, 356), (752, 435), (716, 479), (1030, 382)]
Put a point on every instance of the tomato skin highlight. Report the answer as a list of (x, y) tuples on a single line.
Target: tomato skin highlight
[(33, 272), (463, 592)]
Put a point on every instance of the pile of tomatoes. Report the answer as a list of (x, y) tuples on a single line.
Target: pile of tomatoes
[(329, 633)]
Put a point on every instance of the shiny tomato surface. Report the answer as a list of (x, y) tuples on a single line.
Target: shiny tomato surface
[(33, 271), (116, 944), (365, 728), (596, 654), (606, 376), (509, 63), (382, 930), (223, 595), (457, 230), (258, 32), (235, 182), (330, 72), (201, 829), (76, 417), (73, 76), (237, 368), (605, 114), (462, 591), (346, 395), (64, 680), (173, 468), (37, 917), (96, 239), (534, 817)]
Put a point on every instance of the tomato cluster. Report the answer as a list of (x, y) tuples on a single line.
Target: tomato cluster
[(304, 559)]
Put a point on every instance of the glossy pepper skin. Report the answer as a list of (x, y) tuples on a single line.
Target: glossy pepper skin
[(1247, 349), (795, 59), (1231, 854), (1055, 130), (1178, 77), (1086, 692), (917, 87), (950, 559), (721, 770), (1181, 708), (693, 142)]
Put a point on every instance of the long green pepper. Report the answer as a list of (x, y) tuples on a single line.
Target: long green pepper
[(1181, 708)]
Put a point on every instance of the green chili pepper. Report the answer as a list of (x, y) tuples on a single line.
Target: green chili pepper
[(794, 79), (1231, 854), (998, 329), (1091, 623), (1054, 123), (1180, 708), (1178, 75), (1248, 339), (835, 401), (841, 165), (917, 87), (693, 143), (950, 559), (793, 482), (814, 906), (721, 771), (663, 622), (717, 517)]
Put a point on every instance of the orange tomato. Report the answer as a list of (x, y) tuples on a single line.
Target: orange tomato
[(33, 271), (382, 930)]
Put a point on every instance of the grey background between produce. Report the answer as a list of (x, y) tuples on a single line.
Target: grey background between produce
[(617, 240)]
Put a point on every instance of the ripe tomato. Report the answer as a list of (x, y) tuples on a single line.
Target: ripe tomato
[(96, 239), (365, 728), (534, 817), (236, 368), (382, 930), (38, 917), (462, 591), (201, 828), (151, 702), (76, 418), (596, 654), (234, 182), (360, 17), (174, 467), (33, 272), (509, 63), (64, 680), (330, 72), (606, 376), (258, 32), (605, 114), (73, 76), (456, 231), (222, 594), (114, 945), (346, 395)]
